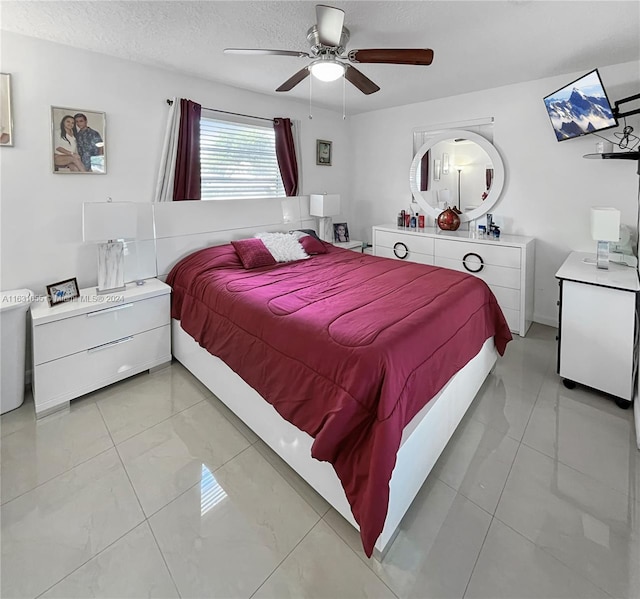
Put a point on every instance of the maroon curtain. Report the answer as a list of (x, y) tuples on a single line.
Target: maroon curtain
[(186, 185), (424, 171), (286, 154), (488, 178)]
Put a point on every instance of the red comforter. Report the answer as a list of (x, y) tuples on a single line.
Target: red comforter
[(345, 346)]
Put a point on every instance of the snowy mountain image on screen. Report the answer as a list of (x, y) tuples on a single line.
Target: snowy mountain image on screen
[(579, 114)]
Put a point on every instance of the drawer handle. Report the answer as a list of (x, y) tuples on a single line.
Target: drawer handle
[(404, 249), (112, 309), (464, 262), (110, 344)]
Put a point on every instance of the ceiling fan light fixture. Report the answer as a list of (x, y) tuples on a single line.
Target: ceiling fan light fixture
[(327, 69)]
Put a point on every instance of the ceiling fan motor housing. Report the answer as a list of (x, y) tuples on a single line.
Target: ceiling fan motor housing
[(317, 48)]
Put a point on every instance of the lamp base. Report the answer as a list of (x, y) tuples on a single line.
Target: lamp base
[(110, 267), (325, 228), (602, 255)]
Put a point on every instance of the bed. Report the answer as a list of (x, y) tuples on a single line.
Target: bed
[(364, 363)]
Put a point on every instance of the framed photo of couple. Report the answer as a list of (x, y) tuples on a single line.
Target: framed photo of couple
[(78, 141)]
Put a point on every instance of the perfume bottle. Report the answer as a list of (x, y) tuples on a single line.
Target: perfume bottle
[(420, 221)]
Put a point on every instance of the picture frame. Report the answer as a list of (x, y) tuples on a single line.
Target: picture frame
[(6, 114), (78, 141), (340, 233), (63, 291), (323, 152)]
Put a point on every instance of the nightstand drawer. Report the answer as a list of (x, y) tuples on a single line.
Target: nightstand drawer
[(80, 373), (497, 255), (77, 333), (413, 242)]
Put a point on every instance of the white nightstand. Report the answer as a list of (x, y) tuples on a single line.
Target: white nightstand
[(354, 245), (95, 340)]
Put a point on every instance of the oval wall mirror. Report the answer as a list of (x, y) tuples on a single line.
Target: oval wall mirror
[(458, 168)]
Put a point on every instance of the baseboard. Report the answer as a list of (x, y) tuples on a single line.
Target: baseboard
[(550, 322)]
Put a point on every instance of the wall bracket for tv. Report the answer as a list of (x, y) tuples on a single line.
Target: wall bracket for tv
[(616, 106)]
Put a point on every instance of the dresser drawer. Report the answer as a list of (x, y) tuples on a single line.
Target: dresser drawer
[(69, 377), (497, 255), (513, 319), (77, 333), (493, 275), (507, 297), (386, 252), (413, 242)]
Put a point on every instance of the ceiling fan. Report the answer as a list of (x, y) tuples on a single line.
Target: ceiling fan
[(328, 40)]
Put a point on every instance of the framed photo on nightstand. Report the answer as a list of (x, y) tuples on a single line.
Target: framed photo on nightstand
[(63, 291), (340, 232)]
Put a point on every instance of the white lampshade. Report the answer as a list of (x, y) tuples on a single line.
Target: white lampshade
[(324, 204), (605, 224), (102, 221)]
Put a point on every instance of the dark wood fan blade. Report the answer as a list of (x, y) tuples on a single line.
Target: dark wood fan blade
[(360, 80), (419, 56), (260, 52), (290, 83), (329, 22)]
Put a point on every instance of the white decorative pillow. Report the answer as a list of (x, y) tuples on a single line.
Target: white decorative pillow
[(284, 247)]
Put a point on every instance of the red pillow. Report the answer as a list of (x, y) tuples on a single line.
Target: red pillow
[(253, 253), (312, 245)]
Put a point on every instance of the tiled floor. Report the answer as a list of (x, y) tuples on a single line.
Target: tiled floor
[(152, 488)]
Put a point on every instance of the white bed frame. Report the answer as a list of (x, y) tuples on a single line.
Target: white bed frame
[(181, 228)]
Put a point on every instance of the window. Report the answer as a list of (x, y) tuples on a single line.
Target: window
[(238, 160)]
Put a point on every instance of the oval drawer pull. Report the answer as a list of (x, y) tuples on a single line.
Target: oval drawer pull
[(110, 344), (400, 246), (106, 310), (464, 262)]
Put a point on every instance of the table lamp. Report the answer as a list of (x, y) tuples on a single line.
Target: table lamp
[(605, 227), (324, 206), (108, 224)]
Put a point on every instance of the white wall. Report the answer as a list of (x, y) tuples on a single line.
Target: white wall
[(41, 235), (549, 186)]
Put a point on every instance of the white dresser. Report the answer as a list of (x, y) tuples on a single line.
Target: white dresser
[(598, 330), (94, 340), (505, 264)]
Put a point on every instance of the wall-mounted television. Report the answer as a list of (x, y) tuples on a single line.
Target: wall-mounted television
[(580, 108)]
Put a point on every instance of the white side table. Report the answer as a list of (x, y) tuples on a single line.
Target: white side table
[(354, 245), (95, 340), (597, 334)]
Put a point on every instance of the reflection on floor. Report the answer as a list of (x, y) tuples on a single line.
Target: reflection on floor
[(152, 488)]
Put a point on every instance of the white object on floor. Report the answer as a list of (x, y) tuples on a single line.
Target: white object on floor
[(13, 316), (95, 340)]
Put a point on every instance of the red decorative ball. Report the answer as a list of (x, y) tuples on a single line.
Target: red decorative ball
[(448, 220)]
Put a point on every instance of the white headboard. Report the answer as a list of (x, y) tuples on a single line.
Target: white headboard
[(184, 227)]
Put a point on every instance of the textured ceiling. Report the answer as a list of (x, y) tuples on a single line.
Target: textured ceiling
[(477, 44)]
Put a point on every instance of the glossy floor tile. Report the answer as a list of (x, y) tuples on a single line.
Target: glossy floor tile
[(535, 496), (436, 548), (168, 458), (55, 528), (130, 568), (322, 565), (131, 407), (42, 449), (511, 567), (226, 535), (585, 524)]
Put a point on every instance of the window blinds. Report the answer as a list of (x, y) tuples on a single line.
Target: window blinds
[(238, 160)]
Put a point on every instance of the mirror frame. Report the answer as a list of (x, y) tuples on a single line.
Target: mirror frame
[(498, 173)]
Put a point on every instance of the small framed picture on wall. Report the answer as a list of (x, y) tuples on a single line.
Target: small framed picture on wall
[(78, 141), (6, 118), (323, 152)]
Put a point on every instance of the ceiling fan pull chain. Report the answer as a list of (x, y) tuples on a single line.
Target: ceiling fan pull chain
[(310, 86)]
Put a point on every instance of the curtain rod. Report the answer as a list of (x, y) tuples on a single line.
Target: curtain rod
[(250, 116)]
